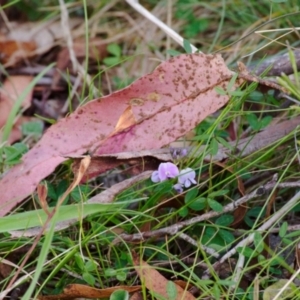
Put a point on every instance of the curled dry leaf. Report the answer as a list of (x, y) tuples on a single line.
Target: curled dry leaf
[(27, 39), (74, 291), (164, 105), (155, 282)]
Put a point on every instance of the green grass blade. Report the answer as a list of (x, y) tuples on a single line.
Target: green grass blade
[(38, 217)]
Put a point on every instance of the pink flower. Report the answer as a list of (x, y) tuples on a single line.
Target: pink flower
[(187, 177), (165, 171)]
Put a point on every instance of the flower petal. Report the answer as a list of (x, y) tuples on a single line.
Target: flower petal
[(187, 183), (167, 170), (178, 188), (187, 176), (155, 177)]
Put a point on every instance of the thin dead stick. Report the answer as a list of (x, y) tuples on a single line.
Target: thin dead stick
[(68, 35), (169, 31), (77, 67), (279, 63), (174, 229), (276, 216), (238, 271), (290, 228), (190, 240)]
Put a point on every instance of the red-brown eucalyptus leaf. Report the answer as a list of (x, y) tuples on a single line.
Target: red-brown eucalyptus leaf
[(155, 282), (152, 112)]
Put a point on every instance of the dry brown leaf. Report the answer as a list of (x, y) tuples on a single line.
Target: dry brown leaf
[(126, 120), (24, 40), (11, 90), (136, 296), (12, 51), (155, 282), (73, 291)]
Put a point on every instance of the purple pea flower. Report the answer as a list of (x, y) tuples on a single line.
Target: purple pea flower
[(178, 188), (165, 171), (178, 153), (187, 177)]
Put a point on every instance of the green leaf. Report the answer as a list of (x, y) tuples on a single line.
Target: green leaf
[(253, 121), (13, 154), (79, 191), (224, 143), (51, 191), (114, 49), (214, 146), (227, 236), (79, 261), (121, 276), (119, 295), (246, 251), (214, 205), (173, 52), (201, 137), (210, 231), (226, 282), (183, 212), (289, 291), (171, 290), (256, 96), (231, 82), (224, 220), (90, 266), (34, 128), (111, 61), (195, 26), (198, 204), (258, 242), (218, 193), (190, 195), (187, 46), (216, 291), (253, 214), (220, 91), (88, 278), (265, 121), (110, 272), (287, 241)]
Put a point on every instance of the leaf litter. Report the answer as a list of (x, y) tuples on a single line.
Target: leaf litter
[(152, 112)]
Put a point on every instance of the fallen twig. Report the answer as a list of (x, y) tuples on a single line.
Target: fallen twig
[(175, 228)]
